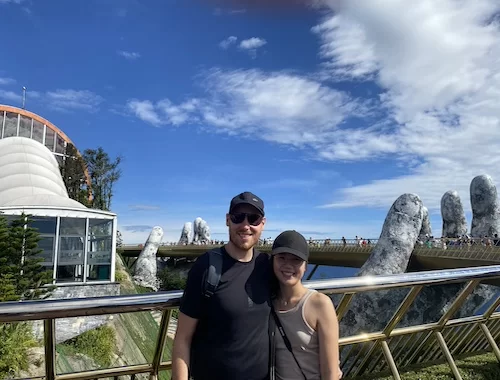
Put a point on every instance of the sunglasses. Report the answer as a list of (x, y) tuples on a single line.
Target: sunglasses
[(239, 217)]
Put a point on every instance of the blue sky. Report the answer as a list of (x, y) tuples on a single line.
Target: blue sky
[(327, 113)]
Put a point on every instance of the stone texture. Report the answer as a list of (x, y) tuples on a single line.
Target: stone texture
[(204, 233), (146, 267), (68, 328), (201, 231), (397, 240), (196, 229), (452, 212), (186, 234), (426, 229), (485, 210), (370, 312)]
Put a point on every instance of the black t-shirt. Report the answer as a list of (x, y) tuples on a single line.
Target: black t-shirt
[(231, 340)]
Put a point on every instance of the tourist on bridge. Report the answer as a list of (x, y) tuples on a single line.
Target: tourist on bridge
[(223, 331), (306, 338)]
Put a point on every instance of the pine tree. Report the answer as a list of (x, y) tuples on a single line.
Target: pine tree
[(7, 288), (20, 262)]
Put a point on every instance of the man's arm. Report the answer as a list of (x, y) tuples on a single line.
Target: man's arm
[(181, 350), (190, 312)]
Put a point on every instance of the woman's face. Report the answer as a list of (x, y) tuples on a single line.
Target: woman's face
[(288, 268)]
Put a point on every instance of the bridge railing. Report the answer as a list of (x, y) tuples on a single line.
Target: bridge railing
[(481, 249), (389, 344), (421, 244)]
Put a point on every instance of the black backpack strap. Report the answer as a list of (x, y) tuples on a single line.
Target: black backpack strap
[(286, 340), (214, 272)]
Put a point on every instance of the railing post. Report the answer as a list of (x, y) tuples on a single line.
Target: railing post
[(49, 328), (160, 344), (447, 354), (491, 341), (390, 360)]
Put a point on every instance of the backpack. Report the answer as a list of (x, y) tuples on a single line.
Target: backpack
[(214, 272)]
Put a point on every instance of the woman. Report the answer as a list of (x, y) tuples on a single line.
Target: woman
[(305, 319)]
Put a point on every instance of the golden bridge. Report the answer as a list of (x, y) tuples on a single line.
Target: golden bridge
[(432, 255)]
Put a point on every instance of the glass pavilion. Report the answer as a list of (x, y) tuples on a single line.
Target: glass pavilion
[(78, 243)]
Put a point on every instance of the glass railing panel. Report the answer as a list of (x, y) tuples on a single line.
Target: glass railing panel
[(121, 340), (371, 311), (478, 302), (22, 353)]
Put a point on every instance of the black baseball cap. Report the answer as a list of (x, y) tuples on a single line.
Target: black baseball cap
[(247, 198), (291, 242)]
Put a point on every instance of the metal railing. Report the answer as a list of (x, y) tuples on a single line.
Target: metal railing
[(394, 346)]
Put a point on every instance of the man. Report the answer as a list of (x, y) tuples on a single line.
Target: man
[(226, 336)]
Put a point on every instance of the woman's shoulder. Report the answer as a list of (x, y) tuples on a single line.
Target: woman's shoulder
[(321, 302)]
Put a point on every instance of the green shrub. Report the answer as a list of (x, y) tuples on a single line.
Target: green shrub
[(120, 276), (15, 341), (98, 344), (478, 367), (170, 280)]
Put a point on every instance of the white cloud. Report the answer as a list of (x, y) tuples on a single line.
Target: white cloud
[(145, 111), (60, 100), (163, 112), (251, 45), (68, 99), (225, 44), (278, 107), (6, 81), (437, 65), (11, 1), (130, 55), (10, 96)]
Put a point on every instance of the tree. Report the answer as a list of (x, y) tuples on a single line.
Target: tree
[(73, 174), (21, 277), (103, 173), (21, 273)]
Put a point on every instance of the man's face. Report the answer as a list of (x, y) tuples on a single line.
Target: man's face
[(245, 234)]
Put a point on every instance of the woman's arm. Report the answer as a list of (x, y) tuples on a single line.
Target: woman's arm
[(327, 328)]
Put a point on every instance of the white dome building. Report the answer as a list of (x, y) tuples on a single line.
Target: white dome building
[(78, 243)]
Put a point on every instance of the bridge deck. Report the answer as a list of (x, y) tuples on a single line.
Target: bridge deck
[(352, 255)]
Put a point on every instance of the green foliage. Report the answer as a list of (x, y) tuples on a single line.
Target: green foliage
[(480, 367), (8, 290), (21, 277), (15, 341), (73, 174), (98, 344), (103, 173), (120, 276), (21, 273), (170, 280)]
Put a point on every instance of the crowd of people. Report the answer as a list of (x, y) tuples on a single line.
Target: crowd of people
[(462, 241), (247, 316)]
